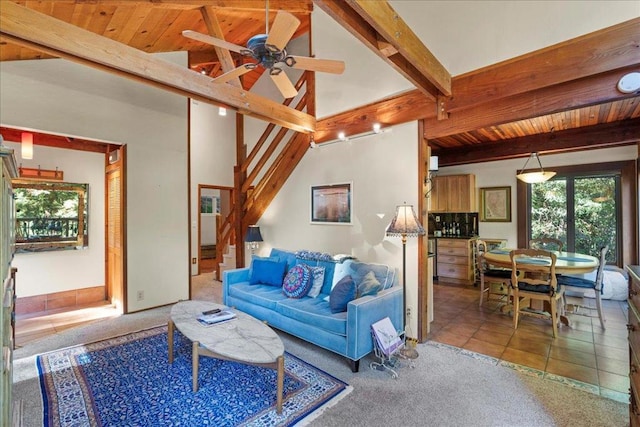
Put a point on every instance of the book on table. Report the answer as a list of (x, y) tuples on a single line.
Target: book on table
[(212, 319)]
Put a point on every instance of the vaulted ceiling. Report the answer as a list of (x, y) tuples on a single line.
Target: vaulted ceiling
[(561, 98)]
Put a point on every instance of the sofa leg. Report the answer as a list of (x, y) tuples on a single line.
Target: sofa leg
[(355, 365)]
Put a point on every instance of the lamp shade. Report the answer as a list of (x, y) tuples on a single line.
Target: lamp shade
[(405, 223), (253, 234), (433, 163), (534, 176)]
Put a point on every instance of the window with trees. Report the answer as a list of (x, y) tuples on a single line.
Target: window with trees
[(51, 215)]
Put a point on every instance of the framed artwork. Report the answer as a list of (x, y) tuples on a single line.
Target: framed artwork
[(331, 203), (495, 204)]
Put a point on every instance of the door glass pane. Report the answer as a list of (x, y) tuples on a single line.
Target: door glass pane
[(549, 210), (595, 215)]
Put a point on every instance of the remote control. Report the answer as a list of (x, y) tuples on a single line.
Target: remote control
[(214, 311)]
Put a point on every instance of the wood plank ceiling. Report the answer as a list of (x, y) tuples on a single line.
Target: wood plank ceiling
[(565, 101)]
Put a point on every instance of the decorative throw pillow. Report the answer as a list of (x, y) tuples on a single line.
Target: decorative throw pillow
[(343, 292), (297, 282), (267, 272), (369, 285), (317, 280)]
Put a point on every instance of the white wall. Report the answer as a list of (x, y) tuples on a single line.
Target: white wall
[(58, 96), (503, 174), (212, 156), (47, 272)]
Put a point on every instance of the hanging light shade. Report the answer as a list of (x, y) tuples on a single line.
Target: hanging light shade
[(26, 145), (534, 176)]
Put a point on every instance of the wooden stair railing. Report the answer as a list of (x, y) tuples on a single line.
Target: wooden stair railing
[(254, 197)]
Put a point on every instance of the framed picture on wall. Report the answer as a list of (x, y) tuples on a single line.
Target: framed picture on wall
[(331, 203), (495, 204)]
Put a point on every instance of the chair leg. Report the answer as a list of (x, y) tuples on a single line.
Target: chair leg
[(554, 316), (516, 309), (482, 290), (599, 307)]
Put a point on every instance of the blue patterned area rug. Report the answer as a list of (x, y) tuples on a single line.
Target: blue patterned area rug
[(127, 381)]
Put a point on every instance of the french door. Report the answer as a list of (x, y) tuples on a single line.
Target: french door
[(583, 211)]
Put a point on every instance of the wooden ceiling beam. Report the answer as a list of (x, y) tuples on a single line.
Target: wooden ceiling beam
[(586, 138), (28, 28), (398, 109), (214, 29), (598, 52), (57, 141), (575, 94), (293, 6), (383, 31)]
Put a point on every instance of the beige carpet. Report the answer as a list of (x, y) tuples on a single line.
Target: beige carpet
[(446, 388)]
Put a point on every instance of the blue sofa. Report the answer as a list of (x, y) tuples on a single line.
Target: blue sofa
[(347, 333)]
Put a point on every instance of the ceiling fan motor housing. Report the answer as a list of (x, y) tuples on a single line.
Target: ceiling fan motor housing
[(266, 55)]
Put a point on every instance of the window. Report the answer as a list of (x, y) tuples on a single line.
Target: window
[(51, 215), (580, 210)]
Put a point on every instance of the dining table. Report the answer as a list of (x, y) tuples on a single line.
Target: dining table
[(566, 262), (571, 263)]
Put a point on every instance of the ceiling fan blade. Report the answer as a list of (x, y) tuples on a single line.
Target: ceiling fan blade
[(282, 30), (213, 41), (315, 64), (284, 85), (236, 72)]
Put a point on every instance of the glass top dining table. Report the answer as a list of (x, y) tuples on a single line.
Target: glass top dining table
[(566, 262)]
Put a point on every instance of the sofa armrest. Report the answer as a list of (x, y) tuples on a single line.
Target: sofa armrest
[(231, 277), (363, 312)]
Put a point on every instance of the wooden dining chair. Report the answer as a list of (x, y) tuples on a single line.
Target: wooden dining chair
[(533, 276), (490, 275), (546, 244), (579, 285)]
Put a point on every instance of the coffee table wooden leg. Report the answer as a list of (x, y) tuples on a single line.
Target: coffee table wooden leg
[(195, 365), (170, 340), (280, 362)]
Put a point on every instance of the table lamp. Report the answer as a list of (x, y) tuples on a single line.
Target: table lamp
[(253, 238)]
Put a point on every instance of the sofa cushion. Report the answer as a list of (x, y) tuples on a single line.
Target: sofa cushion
[(317, 280), (343, 292), (267, 272), (358, 270), (297, 282), (314, 311), (282, 255), (369, 285), (262, 295)]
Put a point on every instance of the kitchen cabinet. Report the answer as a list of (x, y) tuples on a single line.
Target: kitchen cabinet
[(453, 193), (8, 275), (455, 261), (634, 344)]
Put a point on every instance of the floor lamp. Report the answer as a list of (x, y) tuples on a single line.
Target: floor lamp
[(405, 223)]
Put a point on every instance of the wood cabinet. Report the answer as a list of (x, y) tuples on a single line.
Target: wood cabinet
[(455, 261), (7, 313), (634, 344), (453, 193)]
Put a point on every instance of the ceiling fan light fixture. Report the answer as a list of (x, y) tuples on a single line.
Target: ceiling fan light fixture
[(535, 176)]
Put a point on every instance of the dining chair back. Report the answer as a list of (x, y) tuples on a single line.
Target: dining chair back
[(546, 244), (491, 275), (533, 277), (580, 284)]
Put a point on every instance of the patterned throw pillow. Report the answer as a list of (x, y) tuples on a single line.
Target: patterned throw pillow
[(317, 280), (297, 282)]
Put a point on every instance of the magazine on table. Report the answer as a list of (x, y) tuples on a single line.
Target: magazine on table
[(212, 319)]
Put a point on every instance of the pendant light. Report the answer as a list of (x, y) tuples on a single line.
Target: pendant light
[(534, 176), (26, 146)]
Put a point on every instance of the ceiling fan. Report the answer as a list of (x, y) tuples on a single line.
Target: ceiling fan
[(269, 52)]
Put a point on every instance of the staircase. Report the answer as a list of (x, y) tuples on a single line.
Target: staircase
[(228, 261)]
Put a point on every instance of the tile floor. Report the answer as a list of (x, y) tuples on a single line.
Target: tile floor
[(582, 352)]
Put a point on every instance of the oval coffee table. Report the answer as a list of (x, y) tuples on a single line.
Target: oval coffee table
[(244, 339)]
